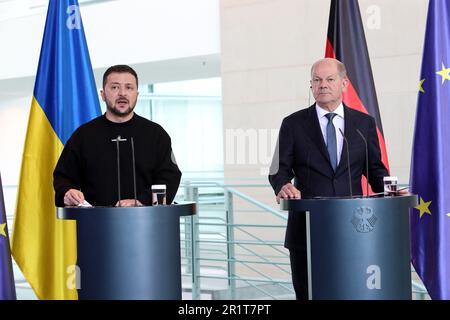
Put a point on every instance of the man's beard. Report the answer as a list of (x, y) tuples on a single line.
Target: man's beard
[(111, 107)]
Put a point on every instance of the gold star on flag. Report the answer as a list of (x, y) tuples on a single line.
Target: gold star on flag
[(444, 73), (423, 207), (2, 229), (420, 86)]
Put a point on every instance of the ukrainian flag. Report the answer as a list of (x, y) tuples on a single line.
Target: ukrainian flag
[(65, 97)]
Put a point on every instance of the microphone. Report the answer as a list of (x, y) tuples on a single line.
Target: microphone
[(367, 161), (117, 141), (308, 175), (309, 96), (134, 172), (348, 164)]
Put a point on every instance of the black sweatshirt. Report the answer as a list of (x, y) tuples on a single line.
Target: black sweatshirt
[(89, 162)]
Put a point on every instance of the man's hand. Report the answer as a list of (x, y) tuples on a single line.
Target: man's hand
[(128, 203), (403, 192), (288, 191), (73, 197)]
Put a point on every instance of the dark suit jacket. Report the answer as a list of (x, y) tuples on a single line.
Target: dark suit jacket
[(303, 155)]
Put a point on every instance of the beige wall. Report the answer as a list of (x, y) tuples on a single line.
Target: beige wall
[(267, 48)]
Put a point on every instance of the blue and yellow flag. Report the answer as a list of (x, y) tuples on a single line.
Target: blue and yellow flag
[(430, 166), (65, 97), (7, 287)]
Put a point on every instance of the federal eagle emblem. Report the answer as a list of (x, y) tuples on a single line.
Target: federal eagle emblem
[(364, 219)]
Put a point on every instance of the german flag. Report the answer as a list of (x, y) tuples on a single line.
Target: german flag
[(347, 43)]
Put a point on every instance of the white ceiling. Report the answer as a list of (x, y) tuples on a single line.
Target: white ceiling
[(11, 9)]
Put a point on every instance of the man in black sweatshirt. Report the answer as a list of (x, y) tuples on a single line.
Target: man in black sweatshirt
[(87, 168)]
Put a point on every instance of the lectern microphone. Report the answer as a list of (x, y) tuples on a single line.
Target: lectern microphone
[(134, 172), (367, 161), (118, 140), (348, 164)]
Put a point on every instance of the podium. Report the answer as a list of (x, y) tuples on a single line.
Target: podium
[(129, 252), (358, 248)]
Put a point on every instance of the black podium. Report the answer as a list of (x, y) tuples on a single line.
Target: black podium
[(129, 252), (358, 248)]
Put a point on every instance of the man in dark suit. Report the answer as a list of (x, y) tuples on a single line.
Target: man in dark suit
[(311, 149)]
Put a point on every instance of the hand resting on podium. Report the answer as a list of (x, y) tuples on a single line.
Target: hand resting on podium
[(74, 197), (288, 191), (129, 203)]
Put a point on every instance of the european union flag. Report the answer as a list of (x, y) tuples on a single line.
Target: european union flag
[(430, 166), (7, 288)]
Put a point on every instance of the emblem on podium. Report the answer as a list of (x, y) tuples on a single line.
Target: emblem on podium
[(364, 219)]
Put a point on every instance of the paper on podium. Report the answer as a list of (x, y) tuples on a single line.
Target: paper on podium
[(85, 204)]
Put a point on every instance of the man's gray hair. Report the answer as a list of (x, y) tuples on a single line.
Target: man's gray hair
[(342, 71)]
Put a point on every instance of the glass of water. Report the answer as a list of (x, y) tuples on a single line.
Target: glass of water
[(158, 194), (390, 186)]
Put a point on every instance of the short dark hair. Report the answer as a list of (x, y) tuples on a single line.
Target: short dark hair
[(120, 68)]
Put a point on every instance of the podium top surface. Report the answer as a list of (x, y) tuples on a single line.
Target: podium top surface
[(320, 202), (180, 209)]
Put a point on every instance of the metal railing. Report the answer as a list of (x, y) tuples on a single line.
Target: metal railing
[(227, 257)]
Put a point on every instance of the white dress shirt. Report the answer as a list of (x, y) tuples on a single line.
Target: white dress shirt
[(338, 122)]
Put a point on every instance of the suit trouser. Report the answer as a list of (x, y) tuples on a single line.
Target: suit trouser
[(299, 268)]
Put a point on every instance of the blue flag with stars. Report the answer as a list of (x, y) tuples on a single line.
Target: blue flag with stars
[(430, 165), (7, 288)]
